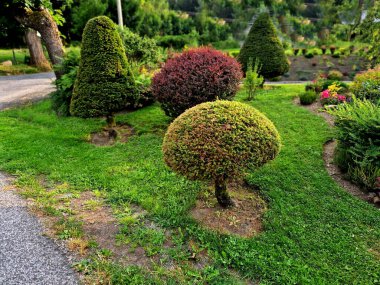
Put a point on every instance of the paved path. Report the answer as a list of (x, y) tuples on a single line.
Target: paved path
[(27, 257), (24, 88)]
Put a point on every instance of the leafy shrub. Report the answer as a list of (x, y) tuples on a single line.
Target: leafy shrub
[(195, 76), (308, 97), (358, 134), (219, 140), (61, 98), (344, 87), (262, 43), (178, 42), (366, 85), (104, 85), (309, 55), (332, 96), (141, 49), (335, 75), (252, 79)]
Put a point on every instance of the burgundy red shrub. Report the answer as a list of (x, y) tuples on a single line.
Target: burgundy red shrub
[(197, 75)]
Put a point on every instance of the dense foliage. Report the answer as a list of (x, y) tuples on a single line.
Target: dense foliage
[(137, 48), (104, 85), (195, 76), (61, 98), (218, 140), (308, 97), (263, 44), (358, 150), (366, 85)]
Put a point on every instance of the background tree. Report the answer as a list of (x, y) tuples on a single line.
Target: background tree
[(263, 44), (37, 15)]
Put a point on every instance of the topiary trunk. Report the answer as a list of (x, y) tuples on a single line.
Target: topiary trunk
[(221, 193)]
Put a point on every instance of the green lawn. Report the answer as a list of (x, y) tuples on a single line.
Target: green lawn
[(20, 67), (314, 232)]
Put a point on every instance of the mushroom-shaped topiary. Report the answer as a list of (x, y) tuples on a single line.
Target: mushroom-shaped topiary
[(197, 75), (218, 141)]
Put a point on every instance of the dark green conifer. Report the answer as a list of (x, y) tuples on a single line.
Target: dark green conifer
[(262, 43), (104, 84)]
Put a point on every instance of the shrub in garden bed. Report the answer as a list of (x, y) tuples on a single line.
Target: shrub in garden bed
[(217, 141), (335, 75), (308, 97), (358, 134), (366, 85), (331, 95), (196, 76)]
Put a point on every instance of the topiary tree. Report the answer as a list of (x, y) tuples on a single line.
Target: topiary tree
[(218, 141), (196, 76), (103, 85), (263, 44)]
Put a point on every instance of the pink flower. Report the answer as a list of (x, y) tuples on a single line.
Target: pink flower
[(325, 94), (341, 98)]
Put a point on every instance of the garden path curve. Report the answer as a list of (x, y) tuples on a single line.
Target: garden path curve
[(27, 257)]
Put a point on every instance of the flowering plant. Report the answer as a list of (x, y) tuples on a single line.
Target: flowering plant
[(331, 95)]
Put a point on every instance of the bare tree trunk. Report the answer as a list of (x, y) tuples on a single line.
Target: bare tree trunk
[(43, 22), (36, 52)]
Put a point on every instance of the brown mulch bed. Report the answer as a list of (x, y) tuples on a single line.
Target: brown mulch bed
[(244, 219)]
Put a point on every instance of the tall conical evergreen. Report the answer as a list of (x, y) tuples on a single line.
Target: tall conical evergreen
[(263, 44), (103, 85)]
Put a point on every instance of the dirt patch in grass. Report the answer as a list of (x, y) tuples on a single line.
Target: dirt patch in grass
[(317, 108), (243, 220), (107, 137)]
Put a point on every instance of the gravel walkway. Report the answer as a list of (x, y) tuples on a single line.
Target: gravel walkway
[(27, 257), (21, 89)]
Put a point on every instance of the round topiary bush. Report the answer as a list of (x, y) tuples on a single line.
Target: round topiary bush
[(218, 141), (262, 43), (308, 97), (104, 84), (196, 76)]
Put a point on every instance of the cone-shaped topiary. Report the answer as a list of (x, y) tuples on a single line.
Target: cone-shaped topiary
[(197, 75), (218, 141), (263, 44), (104, 84)]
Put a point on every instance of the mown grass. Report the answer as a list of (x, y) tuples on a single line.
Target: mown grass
[(20, 67), (314, 232)]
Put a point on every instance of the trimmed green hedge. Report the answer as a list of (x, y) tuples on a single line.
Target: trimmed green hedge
[(104, 84), (263, 44)]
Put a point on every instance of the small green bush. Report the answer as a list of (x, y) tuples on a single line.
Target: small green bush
[(178, 42), (366, 85), (262, 43), (335, 75), (308, 97), (140, 49), (104, 84), (309, 55), (358, 134), (218, 141)]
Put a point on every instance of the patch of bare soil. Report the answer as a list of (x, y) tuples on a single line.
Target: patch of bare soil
[(244, 219), (328, 157), (107, 137), (317, 108)]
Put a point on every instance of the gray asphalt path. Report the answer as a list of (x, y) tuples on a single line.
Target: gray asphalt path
[(27, 257), (25, 88)]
